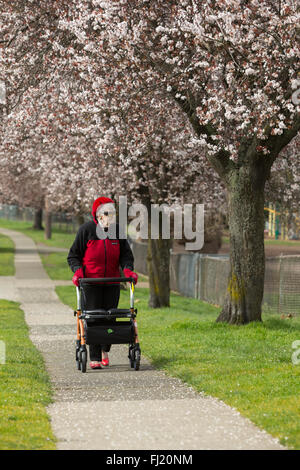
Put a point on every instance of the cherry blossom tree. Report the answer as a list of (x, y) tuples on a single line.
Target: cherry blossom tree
[(150, 149), (159, 161), (46, 164), (229, 67)]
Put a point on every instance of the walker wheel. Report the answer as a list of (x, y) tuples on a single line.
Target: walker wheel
[(131, 356), (83, 360), (77, 354), (135, 356), (137, 359)]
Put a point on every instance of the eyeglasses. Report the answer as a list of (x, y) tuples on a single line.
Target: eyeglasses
[(107, 214)]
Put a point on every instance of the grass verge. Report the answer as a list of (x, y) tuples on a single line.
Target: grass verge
[(59, 239), (7, 250), (247, 367), (56, 266), (25, 388), (271, 242)]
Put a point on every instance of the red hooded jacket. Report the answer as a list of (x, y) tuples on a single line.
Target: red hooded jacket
[(99, 257)]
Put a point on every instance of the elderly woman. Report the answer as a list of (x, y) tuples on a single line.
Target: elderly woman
[(95, 253)]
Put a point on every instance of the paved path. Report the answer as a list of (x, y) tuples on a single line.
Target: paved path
[(117, 408)]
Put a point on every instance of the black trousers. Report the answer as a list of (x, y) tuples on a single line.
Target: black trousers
[(95, 297)]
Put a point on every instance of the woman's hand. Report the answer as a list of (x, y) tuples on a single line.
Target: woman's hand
[(77, 275), (128, 273)]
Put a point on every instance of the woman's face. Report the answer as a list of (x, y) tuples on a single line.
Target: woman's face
[(106, 216), (103, 219)]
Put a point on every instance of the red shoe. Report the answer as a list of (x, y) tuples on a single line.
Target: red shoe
[(105, 362), (95, 365)]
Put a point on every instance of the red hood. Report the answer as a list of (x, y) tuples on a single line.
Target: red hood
[(98, 202)]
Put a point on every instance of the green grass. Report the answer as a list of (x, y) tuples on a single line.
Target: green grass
[(247, 367), (59, 239), (25, 388), (270, 241), (56, 266), (143, 278), (7, 250)]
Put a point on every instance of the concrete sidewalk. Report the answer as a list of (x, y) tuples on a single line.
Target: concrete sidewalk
[(116, 408)]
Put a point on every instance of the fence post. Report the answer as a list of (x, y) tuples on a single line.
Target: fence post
[(196, 276), (280, 283), (201, 277)]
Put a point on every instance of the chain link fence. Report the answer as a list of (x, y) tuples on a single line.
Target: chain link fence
[(204, 277), (60, 220), (282, 284), (11, 212)]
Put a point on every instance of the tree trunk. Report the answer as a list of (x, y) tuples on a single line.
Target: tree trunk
[(80, 219), (158, 253), (37, 222), (158, 263), (245, 181), (247, 259), (48, 222), (48, 225)]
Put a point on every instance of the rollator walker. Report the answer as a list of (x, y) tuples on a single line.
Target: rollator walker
[(118, 326)]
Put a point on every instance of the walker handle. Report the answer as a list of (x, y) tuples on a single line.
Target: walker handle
[(78, 297), (90, 280)]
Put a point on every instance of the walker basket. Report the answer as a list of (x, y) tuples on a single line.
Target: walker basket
[(116, 333)]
